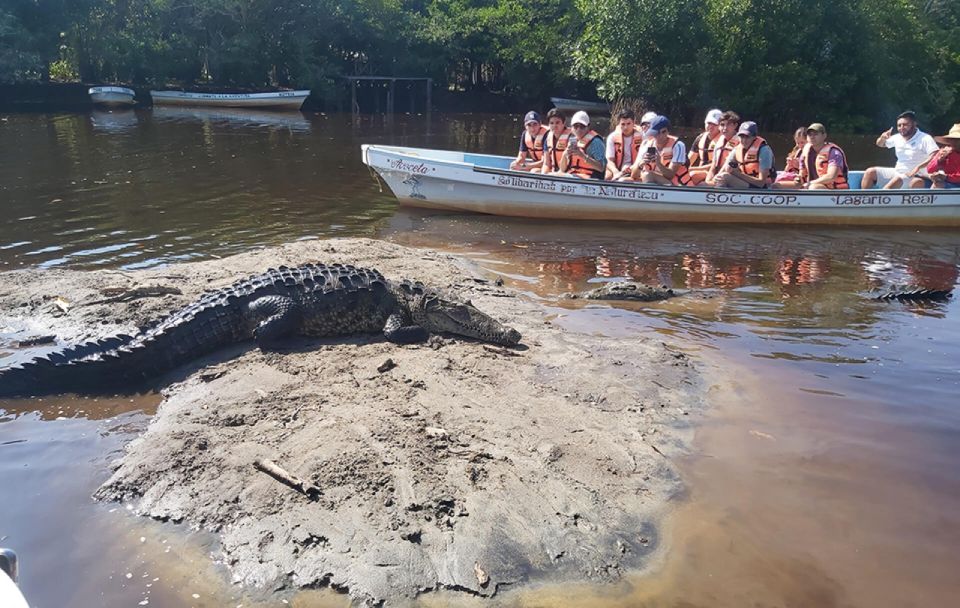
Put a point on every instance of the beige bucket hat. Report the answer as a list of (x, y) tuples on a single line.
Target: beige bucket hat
[(951, 138)]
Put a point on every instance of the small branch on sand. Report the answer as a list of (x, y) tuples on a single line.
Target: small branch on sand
[(37, 341), (280, 474), (122, 294), (500, 351)]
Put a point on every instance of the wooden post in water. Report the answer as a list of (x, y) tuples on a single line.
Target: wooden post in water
[(429, 92), (391, 92), (354, 108)]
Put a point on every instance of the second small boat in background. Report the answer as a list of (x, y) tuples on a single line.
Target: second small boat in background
[(279, 100), (572, 105), (112, 96)]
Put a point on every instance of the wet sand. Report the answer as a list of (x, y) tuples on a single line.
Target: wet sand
[(463, 468)]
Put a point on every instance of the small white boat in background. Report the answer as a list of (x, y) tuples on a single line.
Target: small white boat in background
[(572, 105), (278, 100), (483, 183), (112, 96)]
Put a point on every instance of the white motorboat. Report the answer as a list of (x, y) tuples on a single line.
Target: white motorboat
[(483, 183), (10, 596), (112, 96), (279, 100)]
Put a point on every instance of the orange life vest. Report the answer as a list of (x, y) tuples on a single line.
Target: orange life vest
[(749, 159), (680, 177), (617, 137), (705, 149), (580, 167), (720, 157), (556, 146), (821, 165), (535, 144)]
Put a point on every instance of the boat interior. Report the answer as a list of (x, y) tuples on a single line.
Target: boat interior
[(489, 161)]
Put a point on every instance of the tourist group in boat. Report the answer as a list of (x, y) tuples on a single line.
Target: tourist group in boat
[(729, 153)]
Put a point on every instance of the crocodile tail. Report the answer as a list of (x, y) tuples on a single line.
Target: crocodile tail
[(90, 367), (916, 294)]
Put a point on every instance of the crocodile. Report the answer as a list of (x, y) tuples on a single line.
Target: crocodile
[(641, 292), (314, 300), (628, 291), (911, 294)]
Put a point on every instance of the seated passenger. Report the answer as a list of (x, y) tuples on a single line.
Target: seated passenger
[(700, 157), (533, 142), (557, 139), (751, 165), (622, 147), (645, 121), (787, 179), (913, 148), (944, 167), (729, 124), (823, 165), (664, 159), (584, 156)]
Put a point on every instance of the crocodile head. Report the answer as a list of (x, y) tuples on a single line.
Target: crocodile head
[(442, 314)]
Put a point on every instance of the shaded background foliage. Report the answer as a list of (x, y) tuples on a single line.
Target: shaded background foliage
[(850, 63)]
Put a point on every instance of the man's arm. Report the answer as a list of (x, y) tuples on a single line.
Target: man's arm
[(884, 138)]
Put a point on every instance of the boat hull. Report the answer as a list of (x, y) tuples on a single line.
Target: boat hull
[(112, 96), (572, 105), (455, 181), (280, 100)]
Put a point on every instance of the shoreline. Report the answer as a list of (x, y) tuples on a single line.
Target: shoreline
[(462, 468)]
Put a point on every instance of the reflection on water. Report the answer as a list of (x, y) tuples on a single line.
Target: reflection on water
[(827, 474), (234, 117)]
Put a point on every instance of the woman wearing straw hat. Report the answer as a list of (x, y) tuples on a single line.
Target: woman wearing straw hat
[(944, 166)]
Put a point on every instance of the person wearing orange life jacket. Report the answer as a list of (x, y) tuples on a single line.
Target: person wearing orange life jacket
[(664, 158), (584, 156), (533, 144), (700, 157), (823, 165), (623, 146), (729, 124), (751, 165), (557, 138)]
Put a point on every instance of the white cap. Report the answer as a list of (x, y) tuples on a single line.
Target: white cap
[(648, 117), (713, 117), (580, 118)]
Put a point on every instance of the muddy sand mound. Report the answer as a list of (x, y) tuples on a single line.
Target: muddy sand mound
[(445, 465)]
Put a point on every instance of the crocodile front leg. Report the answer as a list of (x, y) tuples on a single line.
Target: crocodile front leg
[(279, 317), (397, 332)]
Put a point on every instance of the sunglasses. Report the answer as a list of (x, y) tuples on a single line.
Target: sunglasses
[(579, 126)]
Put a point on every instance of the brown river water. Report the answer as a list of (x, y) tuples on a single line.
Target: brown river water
[(826, 473)]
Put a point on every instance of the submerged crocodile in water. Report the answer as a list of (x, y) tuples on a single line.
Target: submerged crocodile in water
[(311, 300), (627, 290), (641, 292)]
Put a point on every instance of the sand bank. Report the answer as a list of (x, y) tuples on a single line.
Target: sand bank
[(460, 466)]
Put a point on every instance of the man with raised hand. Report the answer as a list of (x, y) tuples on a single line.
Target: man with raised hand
[(914, 150)]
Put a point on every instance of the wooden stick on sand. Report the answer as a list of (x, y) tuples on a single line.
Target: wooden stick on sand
[(280, 474)]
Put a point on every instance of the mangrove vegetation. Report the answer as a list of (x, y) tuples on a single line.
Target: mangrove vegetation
[(851, 63)]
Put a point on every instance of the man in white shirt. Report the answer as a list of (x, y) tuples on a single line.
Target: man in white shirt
[(914, 149)]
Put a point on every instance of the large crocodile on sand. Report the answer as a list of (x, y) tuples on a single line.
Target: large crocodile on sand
[(311, 300)]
